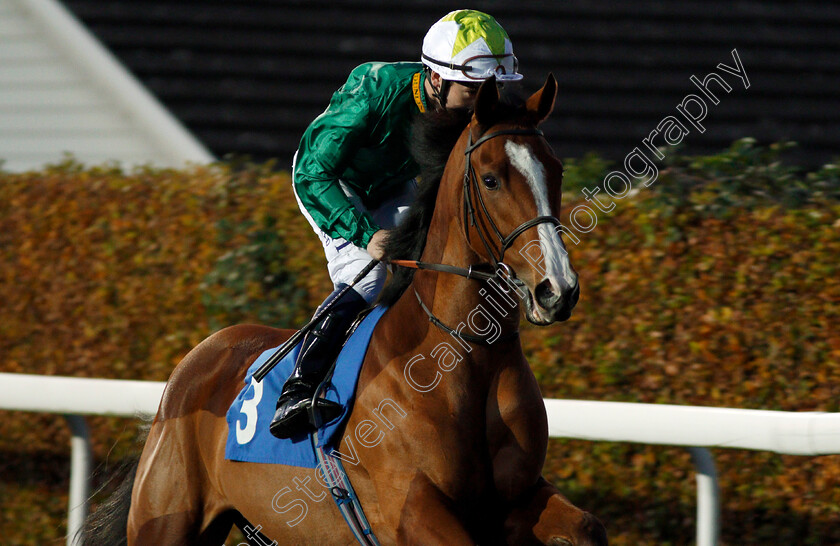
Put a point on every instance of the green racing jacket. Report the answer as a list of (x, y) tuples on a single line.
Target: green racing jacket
[(361, 139)]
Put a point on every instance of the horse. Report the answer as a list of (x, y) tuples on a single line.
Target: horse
[(448, 432)]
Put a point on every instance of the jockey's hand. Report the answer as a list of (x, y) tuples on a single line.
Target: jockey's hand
[(376, 246)]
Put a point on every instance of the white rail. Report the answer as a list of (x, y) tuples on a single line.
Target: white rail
[(699, 428), (74, 397), (78, 395), (791, 433)]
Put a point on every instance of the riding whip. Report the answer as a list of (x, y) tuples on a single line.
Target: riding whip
[(290, 343)]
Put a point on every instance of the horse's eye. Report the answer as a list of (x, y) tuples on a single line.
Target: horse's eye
[(490, 182)]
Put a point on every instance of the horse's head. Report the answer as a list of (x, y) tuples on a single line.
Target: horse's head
[(512, 195)]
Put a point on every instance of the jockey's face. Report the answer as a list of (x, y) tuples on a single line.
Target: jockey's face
[(459, 95)]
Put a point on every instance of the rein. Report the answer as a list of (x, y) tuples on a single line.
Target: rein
[(469, 273), (500, 269)]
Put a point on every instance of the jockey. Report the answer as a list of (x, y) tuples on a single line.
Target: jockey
[(354, 177)]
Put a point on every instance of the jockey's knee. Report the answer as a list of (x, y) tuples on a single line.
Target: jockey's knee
[(370, 287)]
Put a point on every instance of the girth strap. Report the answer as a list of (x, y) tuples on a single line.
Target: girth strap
[(344, 495)]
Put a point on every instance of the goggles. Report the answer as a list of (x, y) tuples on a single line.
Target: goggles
[(472, 72)]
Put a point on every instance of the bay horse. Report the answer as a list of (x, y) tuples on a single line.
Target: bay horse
[(450, 427)]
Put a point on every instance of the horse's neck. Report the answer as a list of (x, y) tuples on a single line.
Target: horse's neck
[(454, 299)]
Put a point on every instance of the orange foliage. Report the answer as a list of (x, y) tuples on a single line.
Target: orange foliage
[(102, 272)]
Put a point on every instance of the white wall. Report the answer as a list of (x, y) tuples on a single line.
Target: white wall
[(61, 91)]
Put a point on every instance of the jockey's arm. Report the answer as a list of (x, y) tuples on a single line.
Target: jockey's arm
[(327, 146)]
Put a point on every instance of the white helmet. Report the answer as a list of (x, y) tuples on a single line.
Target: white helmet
[(470, 46)]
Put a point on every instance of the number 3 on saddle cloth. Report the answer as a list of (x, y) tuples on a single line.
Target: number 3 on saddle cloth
[(248, 417)]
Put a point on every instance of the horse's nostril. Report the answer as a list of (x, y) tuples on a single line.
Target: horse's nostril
[(543, 291)]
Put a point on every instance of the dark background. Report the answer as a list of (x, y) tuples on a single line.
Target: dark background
[(248, 76)]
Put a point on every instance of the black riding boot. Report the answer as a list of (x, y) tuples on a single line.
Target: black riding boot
[(320, 347)]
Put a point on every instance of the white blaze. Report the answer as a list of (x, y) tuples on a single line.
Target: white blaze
[(556, 259)]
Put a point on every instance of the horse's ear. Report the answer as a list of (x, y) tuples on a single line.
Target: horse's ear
[(541, 103), (486, 102)]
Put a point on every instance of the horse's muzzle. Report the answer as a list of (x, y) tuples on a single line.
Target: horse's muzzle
[(557, 302)]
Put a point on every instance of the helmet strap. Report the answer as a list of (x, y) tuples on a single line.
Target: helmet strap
[(443, 92), (439, 93)]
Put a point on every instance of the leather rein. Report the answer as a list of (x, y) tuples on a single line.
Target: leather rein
[(500, 269)]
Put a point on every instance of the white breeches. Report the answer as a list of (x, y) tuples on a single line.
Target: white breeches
[(344, 259)]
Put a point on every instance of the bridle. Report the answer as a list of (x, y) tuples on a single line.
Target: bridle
[(471, 183), (500, 269)]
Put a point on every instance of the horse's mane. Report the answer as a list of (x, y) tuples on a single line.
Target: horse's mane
[(433, 136)]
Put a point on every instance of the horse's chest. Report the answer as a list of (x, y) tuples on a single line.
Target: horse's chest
[(454, 447)]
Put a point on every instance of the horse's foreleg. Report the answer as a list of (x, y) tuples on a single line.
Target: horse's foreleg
[(545, 516), (427, 517)]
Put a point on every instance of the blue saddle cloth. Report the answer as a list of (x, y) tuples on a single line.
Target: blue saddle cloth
[(251, 412)]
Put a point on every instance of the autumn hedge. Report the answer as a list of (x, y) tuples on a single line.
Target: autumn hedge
[(717, 286)]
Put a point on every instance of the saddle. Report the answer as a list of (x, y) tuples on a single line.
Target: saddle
[(248, 437)]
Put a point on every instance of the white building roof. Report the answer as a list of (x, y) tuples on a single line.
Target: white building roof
[(62, 92)]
